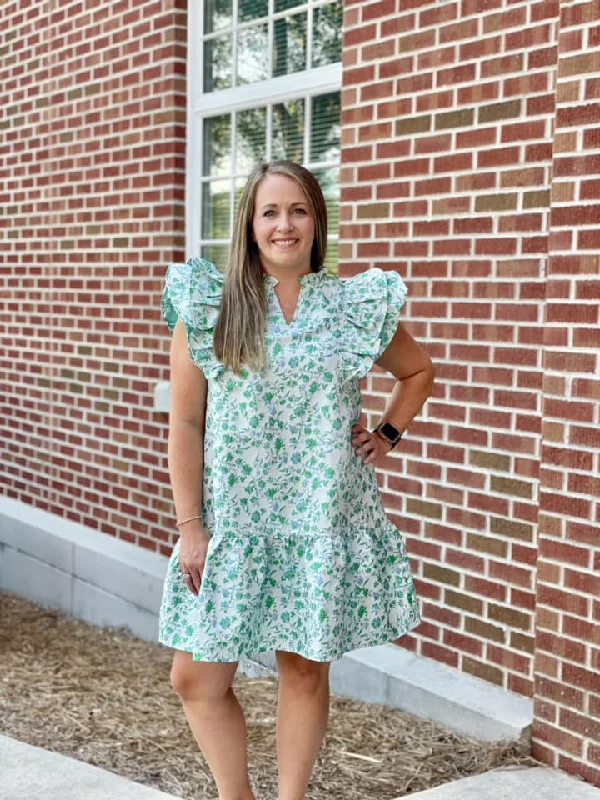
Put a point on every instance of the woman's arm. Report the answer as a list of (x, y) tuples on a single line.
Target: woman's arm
[(410, 364), (186, 453), (412, 367)]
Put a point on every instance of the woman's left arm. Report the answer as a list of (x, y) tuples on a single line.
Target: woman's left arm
[(412, 367)]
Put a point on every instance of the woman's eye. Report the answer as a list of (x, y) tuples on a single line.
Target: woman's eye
[(271, 212)]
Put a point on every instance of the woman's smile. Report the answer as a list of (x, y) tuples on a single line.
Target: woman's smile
[(285, 244)]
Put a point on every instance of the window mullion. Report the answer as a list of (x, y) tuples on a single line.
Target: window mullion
[(316, 81), (234, 44), (308, 106), (269, 142), (270, 37), (309, 36), (269, 132)]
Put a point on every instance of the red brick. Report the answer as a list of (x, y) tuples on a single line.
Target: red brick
[(559, 646), (438, 653), (568, 458), (516, 662), (546, 755), (519, 598), (510, 574), (558, 738), (545, 710), (558, 599), (585, 679), (466, 644), (571, 506), (444, 615), (583, 582), (584, 630), (584, 771), (365, 33)]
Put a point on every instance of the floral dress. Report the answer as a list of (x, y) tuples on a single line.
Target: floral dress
[(302, 556)]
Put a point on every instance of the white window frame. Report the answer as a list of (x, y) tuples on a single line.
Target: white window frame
[(321, 80)]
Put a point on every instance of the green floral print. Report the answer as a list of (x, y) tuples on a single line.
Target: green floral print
[(302, 556)]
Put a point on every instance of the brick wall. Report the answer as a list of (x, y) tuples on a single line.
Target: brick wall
[(449, 146), (92, 137), (567, 663), (452, 174)]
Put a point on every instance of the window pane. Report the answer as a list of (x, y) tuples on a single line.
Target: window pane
[(288, 130), (251, 139), (325, 129), (252, 9), (218, 55), (253, 46), (216, 202), (216, 158), (331, 259), (327, 37), (329, 180), (217, 254), (289, 45), (218, 14), (283, 5)]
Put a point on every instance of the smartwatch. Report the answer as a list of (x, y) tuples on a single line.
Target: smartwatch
[(389, 432)]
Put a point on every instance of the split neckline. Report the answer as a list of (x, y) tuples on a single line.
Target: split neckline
[(303, 280), (309, 277)]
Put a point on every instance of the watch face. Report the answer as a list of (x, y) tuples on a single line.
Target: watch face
[(389, 430)]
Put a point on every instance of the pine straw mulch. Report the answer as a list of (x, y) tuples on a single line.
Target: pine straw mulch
[(104, 697)]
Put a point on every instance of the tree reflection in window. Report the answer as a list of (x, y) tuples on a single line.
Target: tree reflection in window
[(288, 130)]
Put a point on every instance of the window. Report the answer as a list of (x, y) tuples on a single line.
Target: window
[(265, 85)]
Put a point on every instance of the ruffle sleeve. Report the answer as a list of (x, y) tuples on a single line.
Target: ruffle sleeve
[(372, 303), (193, 293)]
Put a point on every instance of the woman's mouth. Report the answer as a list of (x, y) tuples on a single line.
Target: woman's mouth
[(285, 244)]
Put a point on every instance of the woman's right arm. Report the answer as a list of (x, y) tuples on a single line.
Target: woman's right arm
[(186, 454)]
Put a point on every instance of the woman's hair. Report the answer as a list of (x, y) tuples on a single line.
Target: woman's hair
[(239, 334)]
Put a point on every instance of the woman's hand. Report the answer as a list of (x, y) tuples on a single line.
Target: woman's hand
[(370, 445), (192, 555)]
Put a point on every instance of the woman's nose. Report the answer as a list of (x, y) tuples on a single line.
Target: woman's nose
[(284, 223)]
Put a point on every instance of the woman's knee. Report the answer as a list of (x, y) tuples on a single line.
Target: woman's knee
[(305, 675), (200, 680)]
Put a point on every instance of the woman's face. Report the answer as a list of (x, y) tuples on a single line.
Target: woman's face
[(283, 226)]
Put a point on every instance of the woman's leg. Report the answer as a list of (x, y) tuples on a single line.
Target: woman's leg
[(216, 720), (301, 720)]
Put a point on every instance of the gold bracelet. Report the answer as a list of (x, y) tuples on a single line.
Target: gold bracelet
[(189, 519)]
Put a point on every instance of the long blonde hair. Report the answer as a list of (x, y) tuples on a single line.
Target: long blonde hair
[(238, 337)]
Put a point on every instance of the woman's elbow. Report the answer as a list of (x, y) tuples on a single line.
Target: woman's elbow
[(430, 377)]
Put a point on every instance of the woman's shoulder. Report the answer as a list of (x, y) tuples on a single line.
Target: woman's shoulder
[(372, 303), (373, 283), (191, 288), (364, 292), (195, 274)]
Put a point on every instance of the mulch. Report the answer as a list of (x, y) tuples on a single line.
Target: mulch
[(103, 696)]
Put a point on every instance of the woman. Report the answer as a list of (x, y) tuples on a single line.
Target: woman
[(284, 544)]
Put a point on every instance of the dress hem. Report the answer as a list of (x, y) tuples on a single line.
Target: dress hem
[(390, 636)]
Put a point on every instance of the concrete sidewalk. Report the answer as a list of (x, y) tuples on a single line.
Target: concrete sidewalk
[(30, 773), (513, 783)]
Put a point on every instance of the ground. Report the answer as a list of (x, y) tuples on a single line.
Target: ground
[(103, 696)]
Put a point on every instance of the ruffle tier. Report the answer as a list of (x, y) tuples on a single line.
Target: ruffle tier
[(316, 595)]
